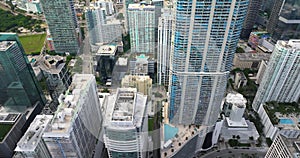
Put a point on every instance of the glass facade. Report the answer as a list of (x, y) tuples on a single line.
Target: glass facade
[(205, 38), (19, 88), (63, 25)]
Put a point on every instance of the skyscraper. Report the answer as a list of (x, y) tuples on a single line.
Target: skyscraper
[(164, 46), (284, 21), (21, 98), (76, 125), (281, 80), (126, 124), (205, 39), (141, 19), (19, 88), (253, 10), (102, 28), (62, 21)]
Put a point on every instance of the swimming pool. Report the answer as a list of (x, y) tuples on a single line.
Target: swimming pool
[(286, 121), (169, 132)]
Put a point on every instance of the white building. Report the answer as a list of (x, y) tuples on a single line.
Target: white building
[(285, 146), (31, 144), (103, 27), (281, 80), (164, 46), (76, 125), (126, 124), (235, 125), (141, 22), (33, 6)]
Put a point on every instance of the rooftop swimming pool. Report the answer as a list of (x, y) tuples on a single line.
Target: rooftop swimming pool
[(169, 132), (286, 121)]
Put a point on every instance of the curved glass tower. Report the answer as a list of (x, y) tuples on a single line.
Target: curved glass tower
[(205, 36)]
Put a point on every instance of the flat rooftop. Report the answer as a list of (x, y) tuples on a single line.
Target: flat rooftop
[(51, 64), (107, 50), (7, 121), (68, 105), (126, 108), (4, 45), (34, 133), (137, 6), (252, 56)]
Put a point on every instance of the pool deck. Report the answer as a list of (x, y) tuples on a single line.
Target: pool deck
[(183, 132), (283, 123)]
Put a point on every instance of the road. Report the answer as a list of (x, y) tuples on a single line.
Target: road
[(238, 153), (188, 150), (87, 57)]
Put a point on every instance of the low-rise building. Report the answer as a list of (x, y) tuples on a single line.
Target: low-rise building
[(240, 80), (30, 6), (142, 65), (249, 60)]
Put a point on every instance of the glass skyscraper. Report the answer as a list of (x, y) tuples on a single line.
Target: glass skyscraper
[(62, 21), (204, 41), (19, 88)]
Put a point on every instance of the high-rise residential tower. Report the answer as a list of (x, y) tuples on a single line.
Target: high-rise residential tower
[(126, 124), (103, 29), (141, 19), (164, 46), (76, 125), (205, 36), (63, 25), (281, 80), (253, 10)]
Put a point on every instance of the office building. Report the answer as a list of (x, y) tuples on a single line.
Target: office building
[(56, 73), (31, 144), (126, 124), (205, 39), (143, 84), (285, 146), (281, 81), (253, 10), (164, 46), (76, 125), (19, 88), (141, 22), (63, 25), (235, 124), (284, 21), (103, 27)]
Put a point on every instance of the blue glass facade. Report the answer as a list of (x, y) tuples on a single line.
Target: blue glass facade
[(205, 38), (19, 88)]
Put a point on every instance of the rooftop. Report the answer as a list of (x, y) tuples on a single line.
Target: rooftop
[(253, 56), (293, 43), (68, 106), (284, 115), (236, 99), (7, 121), (127, 110), (4, 45), (141, 6), (292, 143), (107, 50), (34, 133), (51, 64)]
